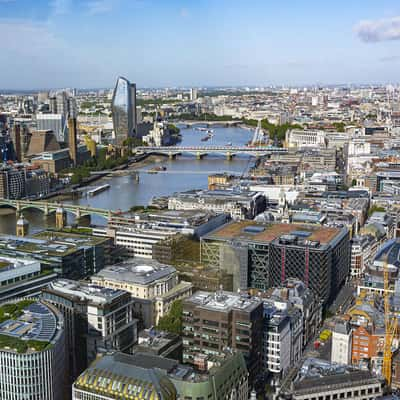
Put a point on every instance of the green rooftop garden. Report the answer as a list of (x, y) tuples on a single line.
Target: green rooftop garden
[(22, 346), (13, 310)]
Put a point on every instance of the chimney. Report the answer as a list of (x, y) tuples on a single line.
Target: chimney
[(72, 139), (17, 142)]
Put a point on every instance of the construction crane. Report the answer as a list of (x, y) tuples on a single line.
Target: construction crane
[(390, 328)]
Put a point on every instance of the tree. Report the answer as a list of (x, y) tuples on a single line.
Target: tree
[(172, 322)]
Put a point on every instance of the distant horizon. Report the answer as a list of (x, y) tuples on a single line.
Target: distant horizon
[(202, 88)]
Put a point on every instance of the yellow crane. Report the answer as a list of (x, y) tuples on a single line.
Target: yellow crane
[(390, 328)]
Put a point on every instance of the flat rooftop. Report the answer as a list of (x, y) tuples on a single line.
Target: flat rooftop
[(137, 270), (27, 320), (223, 301), (14, 263), (50, 243), (252, 231), (93, 293)]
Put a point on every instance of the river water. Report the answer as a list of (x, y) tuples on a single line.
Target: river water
[(184, 173)]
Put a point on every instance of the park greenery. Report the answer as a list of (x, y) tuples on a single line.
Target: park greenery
[(375, 208), (172, 322), (98, 163), (144, 102), (276, 132)]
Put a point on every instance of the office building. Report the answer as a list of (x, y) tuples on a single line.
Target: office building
[(239, 204), (22, 277), (294, 293), (356, 385), (262, 256), (363, 250), (193, 94), (57, 123), (213, 322), (12, 182), (222, 378), (341, 342), (69, 255), (159, 343), (154, 286), (118, 376), (97, 320), (123, 107), (32, 351)]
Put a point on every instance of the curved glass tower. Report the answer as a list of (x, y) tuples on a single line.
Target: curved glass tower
[(124, 110)]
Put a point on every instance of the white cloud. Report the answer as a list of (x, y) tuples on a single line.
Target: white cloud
[(60, 7), (378, 30), (100, 6), (26, 37)]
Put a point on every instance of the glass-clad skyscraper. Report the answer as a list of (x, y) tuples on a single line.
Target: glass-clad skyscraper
[(124, 110)]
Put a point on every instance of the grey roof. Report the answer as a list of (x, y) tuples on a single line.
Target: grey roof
[(137, 270), (313, 385)]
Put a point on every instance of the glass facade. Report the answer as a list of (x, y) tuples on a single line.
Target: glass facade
[(124, 110)]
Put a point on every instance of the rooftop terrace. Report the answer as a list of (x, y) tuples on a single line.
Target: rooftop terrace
[(253, 231)]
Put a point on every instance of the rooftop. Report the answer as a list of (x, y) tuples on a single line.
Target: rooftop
[(50, 243), (136, 270), (85, 291), (257, 232), (27, 325), (223, 301), (118, 374)]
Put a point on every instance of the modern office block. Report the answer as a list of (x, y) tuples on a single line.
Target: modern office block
[(97, 320), (124, 110), (32, 352)]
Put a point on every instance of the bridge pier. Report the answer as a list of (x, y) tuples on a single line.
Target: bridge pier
[(229, 156), (171, 155), (46, 210), (200, 155), (84, 220)]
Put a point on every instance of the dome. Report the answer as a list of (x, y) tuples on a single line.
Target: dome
[(142, 269)]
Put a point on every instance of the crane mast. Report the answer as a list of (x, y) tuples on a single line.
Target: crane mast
[(390, 328)]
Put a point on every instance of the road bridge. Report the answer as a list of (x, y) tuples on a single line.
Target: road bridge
[(49, 207), (210, 123), (201, 151)]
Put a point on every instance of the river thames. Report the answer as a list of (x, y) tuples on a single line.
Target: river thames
[(184, 173)]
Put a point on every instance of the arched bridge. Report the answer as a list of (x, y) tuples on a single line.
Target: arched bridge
[(48, 207), (200, 151)]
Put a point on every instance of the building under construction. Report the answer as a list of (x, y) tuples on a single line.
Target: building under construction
[(265, 255)]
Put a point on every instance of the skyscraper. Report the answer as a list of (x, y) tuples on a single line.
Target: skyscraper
[(124, 110)]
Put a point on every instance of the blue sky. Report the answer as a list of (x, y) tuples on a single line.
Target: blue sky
[(88, 43)]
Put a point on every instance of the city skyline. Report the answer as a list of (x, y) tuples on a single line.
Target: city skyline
[(87, 44)]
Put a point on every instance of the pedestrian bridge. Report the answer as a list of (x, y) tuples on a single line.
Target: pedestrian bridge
[(48, 207)]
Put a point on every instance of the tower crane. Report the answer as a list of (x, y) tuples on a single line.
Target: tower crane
[(390, 328)]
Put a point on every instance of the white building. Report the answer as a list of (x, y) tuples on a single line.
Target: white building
[(341, 343), (363, 250), (32, 352), (138, 241), (153, 286), (305, 138)]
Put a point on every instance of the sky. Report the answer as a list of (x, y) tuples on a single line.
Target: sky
[(197, 43)]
